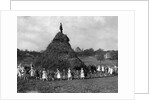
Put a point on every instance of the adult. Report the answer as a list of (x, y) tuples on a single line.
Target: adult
[(77, 74), (98, 68), (103, 69), (44, 75), (61, 28), (22, 71), (18, 72), (111, 71), (115, 70), (82, 73), (32, 72), (25, 75), (58, 74), (37, 74), (64, 74), (69, 74)]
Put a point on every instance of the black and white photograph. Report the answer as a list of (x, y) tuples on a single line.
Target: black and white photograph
[(67, 54)]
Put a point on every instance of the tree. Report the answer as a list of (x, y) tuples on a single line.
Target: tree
[(78, 49), (114, 55), (89, 52), (100, 57), (99, 51), (100, 54)]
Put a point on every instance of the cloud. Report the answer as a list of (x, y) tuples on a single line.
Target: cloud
[(36, 32)]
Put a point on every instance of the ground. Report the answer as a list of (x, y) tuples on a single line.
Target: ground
[(95, 85)]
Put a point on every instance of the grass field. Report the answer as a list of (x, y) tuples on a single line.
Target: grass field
[(91, 60), (95, 85)]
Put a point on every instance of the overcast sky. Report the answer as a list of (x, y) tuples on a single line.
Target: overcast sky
[(36, 32)]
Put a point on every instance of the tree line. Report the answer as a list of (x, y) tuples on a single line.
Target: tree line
[(21, 54), (100, 53)]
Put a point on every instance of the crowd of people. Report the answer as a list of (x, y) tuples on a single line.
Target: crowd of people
[(65, 74)]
